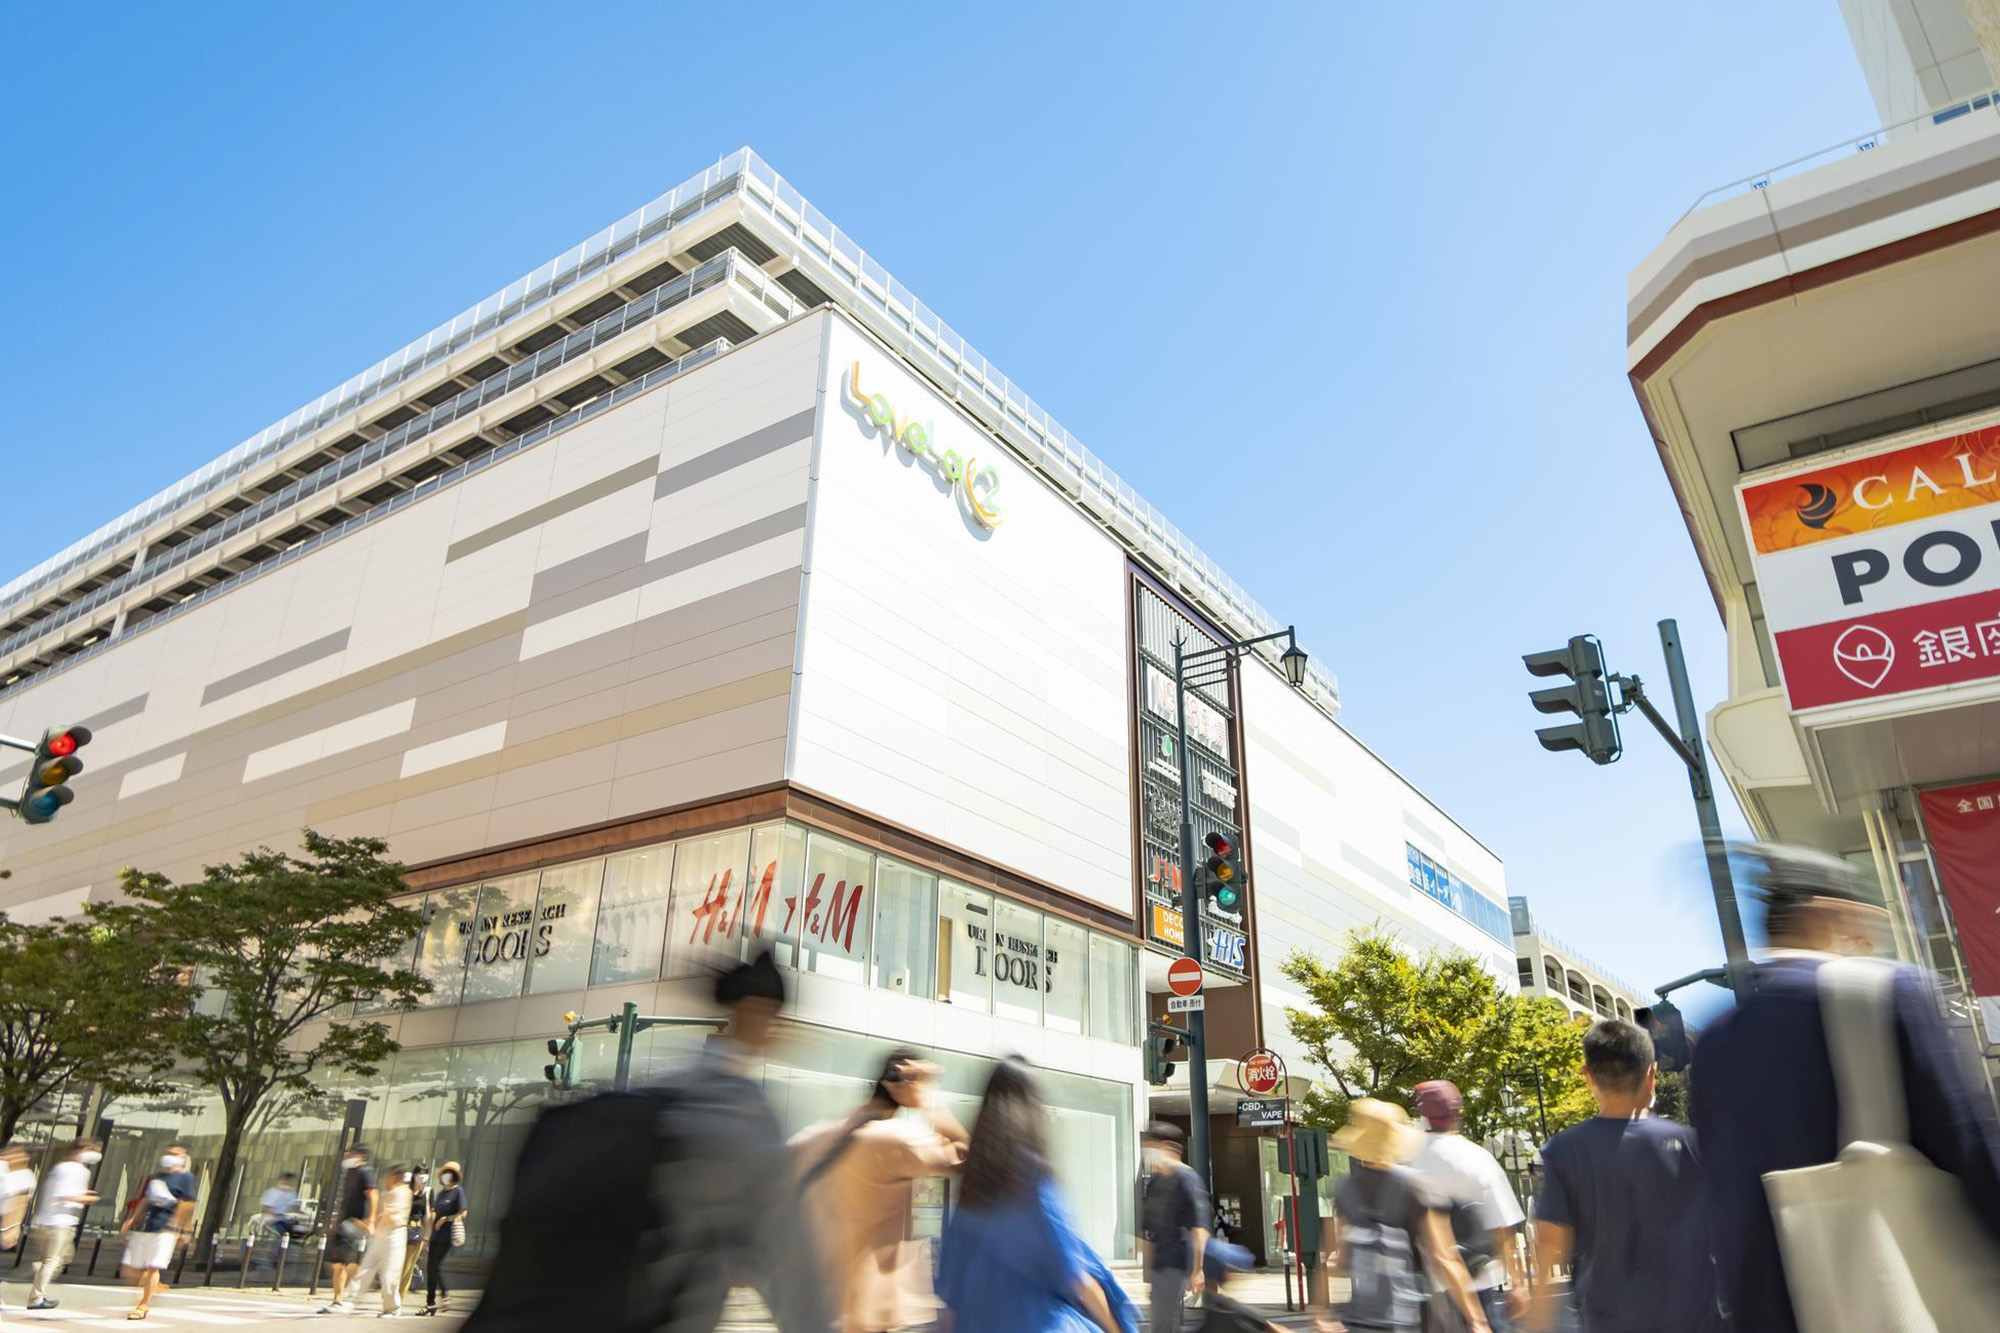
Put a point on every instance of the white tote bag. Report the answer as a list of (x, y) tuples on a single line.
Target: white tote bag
[(1880, 1240)]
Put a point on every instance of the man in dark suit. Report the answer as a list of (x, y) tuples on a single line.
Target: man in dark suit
[(1762, 1084)]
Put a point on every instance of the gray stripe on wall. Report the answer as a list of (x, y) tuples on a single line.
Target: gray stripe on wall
[(117, 713), (562, 504), (766, 440), (589, 568), (273, 667), (637, 575)]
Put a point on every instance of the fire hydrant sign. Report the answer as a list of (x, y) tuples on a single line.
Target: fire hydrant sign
[(1261, 1072)]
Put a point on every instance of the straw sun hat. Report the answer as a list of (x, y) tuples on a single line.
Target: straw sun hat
[(1376, 1132)]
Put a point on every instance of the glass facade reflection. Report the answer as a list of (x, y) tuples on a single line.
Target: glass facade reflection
[(824, 904)]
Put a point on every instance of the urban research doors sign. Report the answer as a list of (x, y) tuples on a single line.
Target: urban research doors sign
[(1880, 572)]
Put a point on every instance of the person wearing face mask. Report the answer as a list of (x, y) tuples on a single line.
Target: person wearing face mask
[(52, 1239), (1173, 1218), (354, 1226), (419, 1228), (154, 1227), (448, 1211)]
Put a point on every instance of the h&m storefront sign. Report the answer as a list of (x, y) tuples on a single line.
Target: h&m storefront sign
[(1879, 573), (977, 487)]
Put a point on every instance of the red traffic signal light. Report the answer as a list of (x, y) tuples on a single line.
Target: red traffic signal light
[(46, 790)]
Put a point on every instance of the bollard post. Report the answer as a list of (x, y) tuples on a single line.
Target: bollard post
[(243, 1272), (94, 1251), (319, 1262), (278, 1268)]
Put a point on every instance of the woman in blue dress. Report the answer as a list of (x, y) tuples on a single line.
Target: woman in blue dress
[(1012, 1263)]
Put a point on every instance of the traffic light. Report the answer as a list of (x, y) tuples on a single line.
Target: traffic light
[(1163, 1051), (1223, 872), (1589, 697), (46, 790), (1663, 1023), (563, 1069)]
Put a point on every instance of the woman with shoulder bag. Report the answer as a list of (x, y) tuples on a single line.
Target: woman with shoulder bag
[(448, 1211)]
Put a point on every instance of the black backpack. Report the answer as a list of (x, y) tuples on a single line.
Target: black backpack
[(585, 1224)]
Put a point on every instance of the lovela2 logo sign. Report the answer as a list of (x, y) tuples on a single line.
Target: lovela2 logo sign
[(978, 485)]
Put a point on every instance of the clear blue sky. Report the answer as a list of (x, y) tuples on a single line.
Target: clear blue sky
[(1341, 288)]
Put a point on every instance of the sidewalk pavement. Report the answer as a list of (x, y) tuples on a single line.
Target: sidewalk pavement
[(100, 1304)]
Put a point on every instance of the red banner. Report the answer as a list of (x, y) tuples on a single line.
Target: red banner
[(1964, 825)]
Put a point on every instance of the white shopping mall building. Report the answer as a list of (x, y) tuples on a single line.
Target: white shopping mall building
[(702, 591), (1817, 357)]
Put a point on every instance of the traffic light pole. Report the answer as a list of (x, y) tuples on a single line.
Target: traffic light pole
[(1688, 745), (1220, 658)]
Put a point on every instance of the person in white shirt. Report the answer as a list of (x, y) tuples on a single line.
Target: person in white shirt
[(1466, 1175), (52, 1236)]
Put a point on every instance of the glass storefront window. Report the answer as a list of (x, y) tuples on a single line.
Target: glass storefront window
[(965, 930), (565, 924), (496, 946), (708, 893), (1113, 1001), (632, 916), (1065, 966), (441, 949), (1016, 961), (777, 867), (833, 919), (905, 907)]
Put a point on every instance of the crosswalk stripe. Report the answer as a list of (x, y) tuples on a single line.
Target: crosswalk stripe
[(194, 1316)]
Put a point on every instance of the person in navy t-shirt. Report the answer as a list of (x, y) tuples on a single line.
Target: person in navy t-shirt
[(1621, 1201)]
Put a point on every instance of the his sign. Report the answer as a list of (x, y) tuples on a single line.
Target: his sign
[(1880, 573)]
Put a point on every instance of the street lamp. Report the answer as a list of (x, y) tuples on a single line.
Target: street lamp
[(1208, 666)]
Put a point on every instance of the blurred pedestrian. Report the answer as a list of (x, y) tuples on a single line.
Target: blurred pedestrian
[(1221, 1312), (1012, 1262), (17, 1191), (279, 1214), (1485, 1215), (1621, 1203), (858, 1175), (1763, 1090), (1389, 1229), (419, 1228), (382, 1261), (58, 1214), (447, 1210), (161, 1215), (354, 1223), (1174, 1218), (639, 1212)]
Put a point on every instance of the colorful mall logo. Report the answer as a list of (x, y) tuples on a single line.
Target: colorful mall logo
[(979, 485)]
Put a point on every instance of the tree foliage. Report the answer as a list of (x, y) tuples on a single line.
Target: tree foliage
[(80, 1004), (279, 948), (1383, 1021)]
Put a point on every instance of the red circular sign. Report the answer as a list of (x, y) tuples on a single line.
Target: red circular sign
[(1261, 1072), (1184, 976)]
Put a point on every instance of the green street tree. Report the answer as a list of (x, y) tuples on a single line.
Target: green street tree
[(1383, 1020), (278, 948), (79, 1004)]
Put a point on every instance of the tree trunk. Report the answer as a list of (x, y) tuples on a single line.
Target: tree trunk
[(233, 1121), (10, 1115)]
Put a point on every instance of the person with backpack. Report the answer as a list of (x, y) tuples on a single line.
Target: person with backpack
[(639, 1212), (1389, 1229), (1485, 1215), (1174, 1217), (1767, 1101), (858, 1175), (1012, 1262), (1621, 1204)]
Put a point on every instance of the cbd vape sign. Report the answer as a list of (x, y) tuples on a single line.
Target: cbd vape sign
[(1880, 572)]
